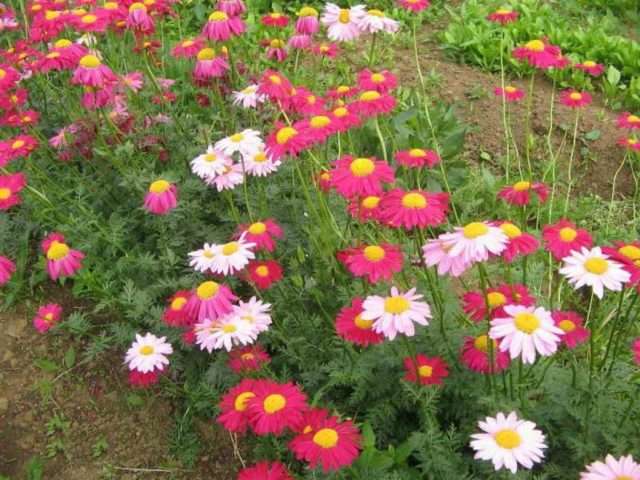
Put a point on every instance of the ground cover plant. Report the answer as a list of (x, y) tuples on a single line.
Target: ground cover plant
[(296, 250)]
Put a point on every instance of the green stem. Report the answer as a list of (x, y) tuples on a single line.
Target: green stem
[(571, 157)]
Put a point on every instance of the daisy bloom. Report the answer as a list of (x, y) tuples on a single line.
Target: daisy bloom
[(572, 325), (324, 49), (476, 241), (624, 468), (274, 19), (342, 23), (274, 85), (360, 176), (276, 407), (16, 147), (396, 313), (375, 262), (475, 305), (414, 5), (209, 65), (276, 50), (62, 261), (574, 99), (592, 68), (147, 358), (92, 73), (161, 198), (210, 164), (248, 359), (139, 19), (285, 140), (628, 254), (202, 260), (248, 97), (232, 257), (382, 81), (307, 23), (538, 53), (47, 317), (631, 144), (300, 42), (225, 332), (220, 27), (425, 370), (374, 21), (525, 331), (475, 355), (316, 129), (503, 16), (255, 312), (210, 300), (175, 314), (262, 233), (231, 176), (594, 269), (519, 193), (436, 252), (233, 406), (187, 48), (329, 443), (265, 471), (371, 103), (509, 442), (367, 208), (8, 77), (629, 121), (353, 328), (233, 8), (264, 273), (519, 242), (415, 208), (10, 188), (563, 237), (245, 142), (417, 158), (7, 269), (344, 118), (509, 93)]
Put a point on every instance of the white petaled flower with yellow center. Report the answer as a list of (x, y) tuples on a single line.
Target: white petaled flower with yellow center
[(210, 164), (526, 331), (246, 142), (225, 332), (202, 260), (260, 164), (255, 313), (375, 21), (232, 257), (148, 353), (594, 269), (342, 23), (248, 97), (509, 442), (476, 241), (396, 313)]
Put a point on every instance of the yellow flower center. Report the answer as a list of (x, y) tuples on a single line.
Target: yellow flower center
[(633, 119), (285, 134), (374, 253), (521, 186), (597, 266), (623, 477), (510, 230), (62, 43), (414, 200), (526, 322), (241, 402), (210, 157), (260, 157), (567, 326), (376, 13), (187, 43), (369, 96), (229, 328), (236, 137), (361, 323), (78, 12), (146, 350), (510, 89), (230, 248), (630, 251), (90, 61), (57, 250), (262, 271), (257, 228), (396, 305), (247, 356), (568, 234), (503, 11), (218, 16), (159, 186), (589, 63), (206, 290), (276, 43), (575, 96), (340, 112), (206, 54), (110, 5), (51, 14), (361, 167), (326, 438), (53, 55), (4, 193), (417, 152), (17, 144), (208, 254), (475, 230), (377, 78), (49, 317), (370, 202), (308, 12), (275, 15), (482, 343), (496, 299), (178, 303), (137, 6), (535, 46), (275, 79), (88, 18), (274, 403), (508, 439), (344, 16)]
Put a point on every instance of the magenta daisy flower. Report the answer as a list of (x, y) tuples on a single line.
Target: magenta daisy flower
[(210, 301), (519, 243), (475, 355), (276, 407), (417, 158), (7, 269), (572, 325), (629, 121), (425, 370), (161, 198), (509, 93), (371, 103), (220, 27), (92, 73), (519, 193), (360, 176), (592, 68), (415, 208), (353, 328), (574, 99), (503, 16), (62, 261), (538, 53), (382, 82), (375, 262)]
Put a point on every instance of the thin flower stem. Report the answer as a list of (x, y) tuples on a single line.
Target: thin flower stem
[(628, 322), (527, 132), (372, 50), (614, 328), (613, 192), (507, 141), (571, 157), (383, 146)]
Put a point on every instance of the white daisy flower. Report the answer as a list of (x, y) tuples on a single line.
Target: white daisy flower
[(342, 23), (148, 353), (231, 177), (248, 97), (225, 332), (210, 164), (525, 331), (246, 142), (624, 468), (202, 260), (593, 268), (376, 21), (260, 164), (475, 241), (396, 313), (255, 312), (232, 257), (509, 442)]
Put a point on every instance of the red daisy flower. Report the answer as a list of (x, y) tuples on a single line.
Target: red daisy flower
[(275, 19), (274, 85), (342, 91), (417, 158), (262, 233), (629, 121), (592, 68), (631, 143), (344, 118), (375, 262), (628, 254), (8, 77), (539, 54), (361, 176), (90, 22), (425, 370), (520, 192), (563, 237), (572, 325), (574, 99), (520, 243), (276, 407), (503, 16), (234, 406), (367, 208), (188, 48), (353, 328), (10, 188), (371, 103), (264, 273), (325, 49), (415, 208), (414, 5), (316, 129), (16, 147), (285, 140), (306, 102), (475, 355), (265, 471), (92, 73), (248, 359), (7, 269), (474, 304), (381, 82), (13, 100), (175, 314), (510, 93), (331, 444)]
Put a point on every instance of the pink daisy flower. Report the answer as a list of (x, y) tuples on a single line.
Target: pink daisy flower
[(476, 241), (417, 158), (10, 188), (307, 23), (631, 144), (262, 233), (436, 252), (161, 198), (342, 23), (572, 325), (628, 255), (264, 273), (510, 93), (520, 192), (248, 359), (425, 370), (209, 65), (276, 50), (371, 103), (538, 53), (375, 262), (300, 42), (629, 121), (624, 468), (474, 304), (139, 19), (175, 314), (475, 355), (220, 27), (187, 48), (563, 237), (233, 406), (62, 261), (503, 16), (276, 407), (592, 68), (574, 99), (519, 242), (414, 5), (353, 328), (381, 82), (92, 73), (317, 128), (360, 176), (232, 8), (47, 316), (285, 140), (367, 208), (415, 208), (324, 49), (265, 471), (8, 77), (7, 269), (344, 118), (275, 19), (147, 359), (210, 301)]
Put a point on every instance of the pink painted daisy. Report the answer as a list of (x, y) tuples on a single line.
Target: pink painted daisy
[(425, 370), (147, 359), (415, 208), (92, 73), (342, 23), (503, 16), (592, 68), (285, 140), (509, 93), (563, 237), (475, 355), (210, 300), (592, 268), (261, 233), (572, 325), (624, 468), (248, 359), (629, 121), (574, 99), (47, 317), (417, 158), (360, 176), (367, 208), (265, 471), (475, 305), (519, 243), (7, 269), (307, 23), (414, 5), (161, 198), (220, 27), (519, 193), (476, 241), (538, 53), (353, 328), (62, 261), (276, 407), (371, 103), (375, 262), (233, 406)]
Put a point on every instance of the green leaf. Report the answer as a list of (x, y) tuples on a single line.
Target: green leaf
[(613, 75), (70, 358), (46, 365)]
